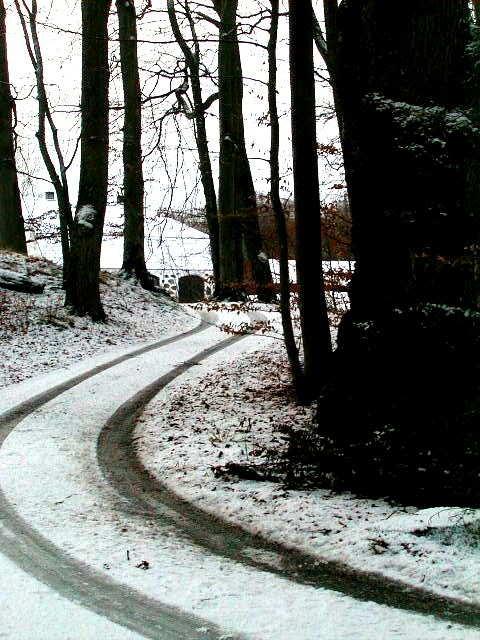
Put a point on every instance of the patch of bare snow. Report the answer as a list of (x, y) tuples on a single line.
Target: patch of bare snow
[(233, 411), (37, 333)]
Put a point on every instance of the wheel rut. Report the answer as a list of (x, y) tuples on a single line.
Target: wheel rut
[(146, 495), (37, 556)]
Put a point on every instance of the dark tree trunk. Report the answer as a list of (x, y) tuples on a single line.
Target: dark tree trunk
[(230, 223), (12, 230), (242, 257), (417, 211), (246, 199), (206, 174), (313, 308), (192, 60), (133, 184), (83, 290), (330, 8), (282, 234), (410, 343)]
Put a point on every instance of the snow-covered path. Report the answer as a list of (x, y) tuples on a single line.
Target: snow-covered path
[(66, 525)]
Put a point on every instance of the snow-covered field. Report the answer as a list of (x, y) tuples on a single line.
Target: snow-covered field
[(37, 334), (240, 408)]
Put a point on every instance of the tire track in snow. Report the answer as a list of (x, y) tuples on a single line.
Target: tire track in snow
[(35, 555), (146, 495)]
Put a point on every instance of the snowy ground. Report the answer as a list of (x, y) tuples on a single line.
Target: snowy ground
[(38, 335), (49, 615), (50, 476), (243, 406), (227, 408)]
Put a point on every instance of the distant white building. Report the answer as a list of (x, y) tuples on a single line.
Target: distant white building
[(172, 250)]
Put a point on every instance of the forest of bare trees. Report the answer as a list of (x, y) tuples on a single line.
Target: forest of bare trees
[(402, 85)]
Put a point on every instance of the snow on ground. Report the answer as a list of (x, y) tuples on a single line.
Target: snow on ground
[(30, 610), (241, 407), (50, 475), (37, 334)]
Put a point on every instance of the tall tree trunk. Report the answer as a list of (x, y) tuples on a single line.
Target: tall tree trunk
[(192, 60), (330, 9), (206, 174), (256, 257), (133, 183), (326, 46), (83, 290), (230, 223), (282, 234), (313, 307), (12, 230), (242, 258), (410, 342)]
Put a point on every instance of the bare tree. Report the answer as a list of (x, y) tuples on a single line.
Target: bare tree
[(83, 289), (326, 44), (242, 257), (288, 334), (133, 183), (192, 62), (313, 308), (12, 230), (54, 161)]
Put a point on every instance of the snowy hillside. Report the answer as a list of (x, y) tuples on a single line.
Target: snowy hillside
[(37, 333)]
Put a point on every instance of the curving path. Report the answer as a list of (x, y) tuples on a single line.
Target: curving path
[(51, 566), (258, 580)]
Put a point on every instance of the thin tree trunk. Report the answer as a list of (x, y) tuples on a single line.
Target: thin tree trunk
[(192, 60), (83, 290), (288, 333), (313, 307), (133, 183), (12, 230), (58, 176)]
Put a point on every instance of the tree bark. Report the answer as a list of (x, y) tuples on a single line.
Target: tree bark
[(282, 234), (255, 255), (192, 60), (418, 212), (242, 259), (230, 224), (133, 183), (83, 290), (313, 308), (410, 344), (12, 230)]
